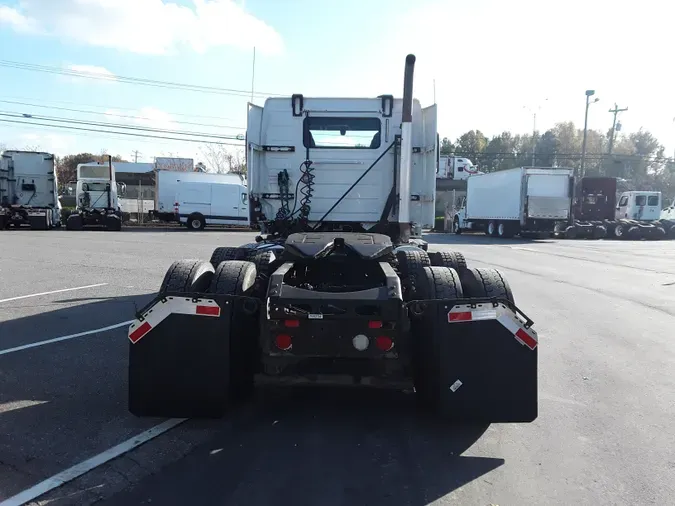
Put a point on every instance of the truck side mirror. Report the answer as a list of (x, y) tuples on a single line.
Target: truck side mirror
[(244, 198)]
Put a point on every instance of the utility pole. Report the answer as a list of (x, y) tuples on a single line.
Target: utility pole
[(136, 153), (534, 136), (614, 111)]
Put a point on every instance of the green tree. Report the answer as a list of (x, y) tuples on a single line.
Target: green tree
[(446, 147), (471, 143), (500, 152)]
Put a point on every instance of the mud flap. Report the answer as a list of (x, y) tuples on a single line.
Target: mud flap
[(488, 362), (179, 358)]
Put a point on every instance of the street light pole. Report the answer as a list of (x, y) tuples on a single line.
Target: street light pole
[(534, 136), (589, 94)]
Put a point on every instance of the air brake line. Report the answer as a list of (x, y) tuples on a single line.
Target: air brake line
[(353, 185)]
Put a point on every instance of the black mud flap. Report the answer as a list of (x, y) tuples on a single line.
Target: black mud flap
[(179, 359), (488, 361)]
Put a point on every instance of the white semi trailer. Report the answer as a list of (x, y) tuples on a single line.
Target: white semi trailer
[(520, 201)]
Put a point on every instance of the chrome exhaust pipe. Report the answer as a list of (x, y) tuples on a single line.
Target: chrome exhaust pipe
[(406, 150)]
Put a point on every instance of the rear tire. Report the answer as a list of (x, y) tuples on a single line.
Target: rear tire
[(486, 283), (222, 254), (113, 223), (435, 283), (491, 229), (196, 222), (74, 222), (409, 265), (237, 277), (187, 276), (451, 259)]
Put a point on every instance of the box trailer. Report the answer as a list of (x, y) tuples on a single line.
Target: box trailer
[(518, 201), (167, 183), (28, 190)]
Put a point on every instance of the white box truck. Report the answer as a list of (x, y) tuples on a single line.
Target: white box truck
[(168, 183), (28, 190), (201, 203), (520, 201)]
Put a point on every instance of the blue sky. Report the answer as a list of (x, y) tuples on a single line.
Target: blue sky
[(489, 59)]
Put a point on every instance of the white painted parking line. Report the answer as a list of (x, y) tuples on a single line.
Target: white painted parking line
[(84, 467), (65, 338), (53, 291)]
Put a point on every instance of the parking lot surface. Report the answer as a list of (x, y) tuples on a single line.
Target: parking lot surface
[(604, 312)]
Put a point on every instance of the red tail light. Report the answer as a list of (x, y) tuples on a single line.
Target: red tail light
[(292, 323), (384, 343), (375, 325), (283, 342)]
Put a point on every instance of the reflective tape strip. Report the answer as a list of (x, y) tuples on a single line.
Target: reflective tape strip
[(502, 313), (163, 308)]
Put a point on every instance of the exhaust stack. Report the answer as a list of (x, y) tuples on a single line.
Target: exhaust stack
[(406, 151)]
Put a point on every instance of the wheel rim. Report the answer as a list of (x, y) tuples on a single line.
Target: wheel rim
[(491, 228), (196, 223), (501, 229), (618, 231)]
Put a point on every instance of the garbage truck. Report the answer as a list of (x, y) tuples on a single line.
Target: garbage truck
[(29, 190), (336, 288)]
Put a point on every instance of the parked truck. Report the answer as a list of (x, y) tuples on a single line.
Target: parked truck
[(455, 167), (29, 190), (599, 211), (97, 195), (334, 289), (522, 201), (198, 199)]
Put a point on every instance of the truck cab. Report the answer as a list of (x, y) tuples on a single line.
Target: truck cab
[(639, 206), (455, 167), (93, 182), (334, 164)]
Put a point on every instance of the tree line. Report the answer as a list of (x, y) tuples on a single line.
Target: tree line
[(638, 157)]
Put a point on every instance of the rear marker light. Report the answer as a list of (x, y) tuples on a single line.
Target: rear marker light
[(292, 323), (374, 325), (361, 342), (136, 335), (207, 310), (384, 343), (283, 342)]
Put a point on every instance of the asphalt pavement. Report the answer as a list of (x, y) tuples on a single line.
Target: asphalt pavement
[(603, 310)]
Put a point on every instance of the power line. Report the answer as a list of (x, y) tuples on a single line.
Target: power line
[(119, 133), (117, 115), (123, 108), (132, 80), (13, 114)]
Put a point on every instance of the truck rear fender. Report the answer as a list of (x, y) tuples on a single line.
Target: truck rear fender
[(488, 352)]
